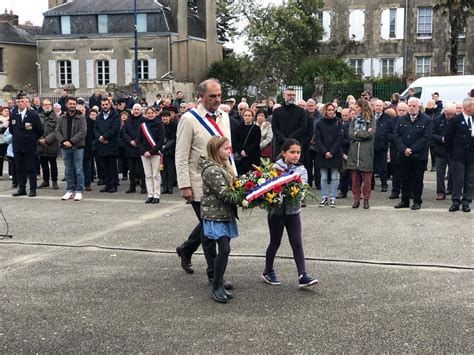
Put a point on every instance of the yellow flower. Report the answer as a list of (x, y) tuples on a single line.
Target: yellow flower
[(273, 173), (238, 183), (294, 191), (270, 196)]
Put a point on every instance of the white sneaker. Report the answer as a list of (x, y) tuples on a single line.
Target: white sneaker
[(68, 195), (78, 196)]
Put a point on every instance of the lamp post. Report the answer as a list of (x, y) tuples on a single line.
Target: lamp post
[(137, 85)]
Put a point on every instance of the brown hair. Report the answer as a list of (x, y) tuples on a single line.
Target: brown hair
[(324, 110), (365, 111)]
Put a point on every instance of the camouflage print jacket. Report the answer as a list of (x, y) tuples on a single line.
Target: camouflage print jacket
[(216, 184)]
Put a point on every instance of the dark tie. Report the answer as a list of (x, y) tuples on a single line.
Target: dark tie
[(377, 116), (211, 117)]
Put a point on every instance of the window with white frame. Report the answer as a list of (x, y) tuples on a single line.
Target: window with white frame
[(460, 65), (143, 69), (103, 72), (423, 66), (387, 66), (356, 25), (65, 72), (425, 22), (1, 60), (102, 24), (393, 23), (356, 65), (141, 23), (66, 25)]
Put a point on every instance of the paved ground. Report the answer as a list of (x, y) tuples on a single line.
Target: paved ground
[(101, 275)]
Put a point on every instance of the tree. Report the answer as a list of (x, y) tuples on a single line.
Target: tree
[(326, 68), (234, 74), (225, 21), (281, 37), (457, 11)]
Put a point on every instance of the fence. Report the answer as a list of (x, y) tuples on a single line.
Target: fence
[(382, 91)]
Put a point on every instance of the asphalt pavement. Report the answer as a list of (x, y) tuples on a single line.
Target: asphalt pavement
[(102, 276)]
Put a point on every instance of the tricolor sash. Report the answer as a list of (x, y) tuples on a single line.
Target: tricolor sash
[(146, 132), (281, 180)]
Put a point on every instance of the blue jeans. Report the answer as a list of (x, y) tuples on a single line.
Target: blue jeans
[(73, 169), (324, 182)]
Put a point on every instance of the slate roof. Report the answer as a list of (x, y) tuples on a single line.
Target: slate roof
[(18, 34), (81, 7)]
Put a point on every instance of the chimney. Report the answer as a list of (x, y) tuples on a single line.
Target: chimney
[(10, 18), (54, 3)]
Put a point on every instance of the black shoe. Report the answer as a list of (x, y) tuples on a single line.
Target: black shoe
[(165, 191), (43, 184), (112, 189), (218, 295), (143, 191), (454, 208), (63, 179), (32, 193), (466, 208), (100, 182), (393, 196), (105, 189), (415, 206), (228, 294), (449, 192), (149, 199), (14, 186), (341, 195), (155, 200), (130, 191), (124, 178), (384, 189), (19, 193), (185, 261), (402, 205)]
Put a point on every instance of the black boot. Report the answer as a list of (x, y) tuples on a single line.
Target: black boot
[(218, 294)]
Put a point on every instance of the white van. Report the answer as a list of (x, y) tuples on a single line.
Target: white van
[(450, 88)]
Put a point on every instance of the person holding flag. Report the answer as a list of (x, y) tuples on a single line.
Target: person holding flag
[(195, 128), (150, 139)]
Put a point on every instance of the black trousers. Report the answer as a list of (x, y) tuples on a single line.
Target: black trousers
[(344, 179), (396, 178), (26, 168), (109, 170), (46, 162), (380, 166), (463, 182), (12, 170), (136, 171), (168, 175), (3, 156), (196, 238), (412, 172), (441, 164), (315, 173)]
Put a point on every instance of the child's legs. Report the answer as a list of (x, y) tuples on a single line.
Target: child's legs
[(276, 225), (293, 228), (221, 260)]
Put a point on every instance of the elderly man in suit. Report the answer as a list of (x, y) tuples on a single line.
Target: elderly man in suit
[(193, 133), (460, 142), (26, 128)]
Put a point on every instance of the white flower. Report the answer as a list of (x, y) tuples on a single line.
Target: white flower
[(245, 203), (261, 181)]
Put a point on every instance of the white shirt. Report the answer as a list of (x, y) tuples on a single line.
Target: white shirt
[(23, 113), (469, 123)]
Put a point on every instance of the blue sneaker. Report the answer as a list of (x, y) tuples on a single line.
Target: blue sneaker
[(306, 281), (271, 278)]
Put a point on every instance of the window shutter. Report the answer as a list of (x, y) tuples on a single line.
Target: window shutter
[(128, 71), (113, 71), (356, 25), (385, 24), (376, 67), (400, 23), (52, 74), (327, 25), (366, 67), (75, 73), (152, 69), (398, 67), (90, 73)]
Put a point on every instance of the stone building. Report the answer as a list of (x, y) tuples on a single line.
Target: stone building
[(393, 37), (17, 53), (90, 43)]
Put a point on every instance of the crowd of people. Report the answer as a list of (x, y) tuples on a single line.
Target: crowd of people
[(200, 146)]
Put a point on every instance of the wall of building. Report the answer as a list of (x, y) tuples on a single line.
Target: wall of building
[(19, 66), (372, 46)]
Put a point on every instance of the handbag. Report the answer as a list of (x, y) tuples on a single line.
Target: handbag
[(267, 151), (237, 157)]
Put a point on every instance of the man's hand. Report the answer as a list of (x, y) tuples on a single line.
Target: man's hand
[(408, 152), (67, 144), (328, 155), (186, 193), (133, 143), (243, 154), (101, 139), (42, 141), (147, 154)]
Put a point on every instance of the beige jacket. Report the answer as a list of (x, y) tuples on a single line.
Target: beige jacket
[(191, 140)]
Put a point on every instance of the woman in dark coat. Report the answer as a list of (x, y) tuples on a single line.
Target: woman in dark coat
[(248, 143), (89, 150), (48, 146), (168, 175), (329, 136)]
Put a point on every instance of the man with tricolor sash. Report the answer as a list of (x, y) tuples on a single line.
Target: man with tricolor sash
[(195, 129)]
